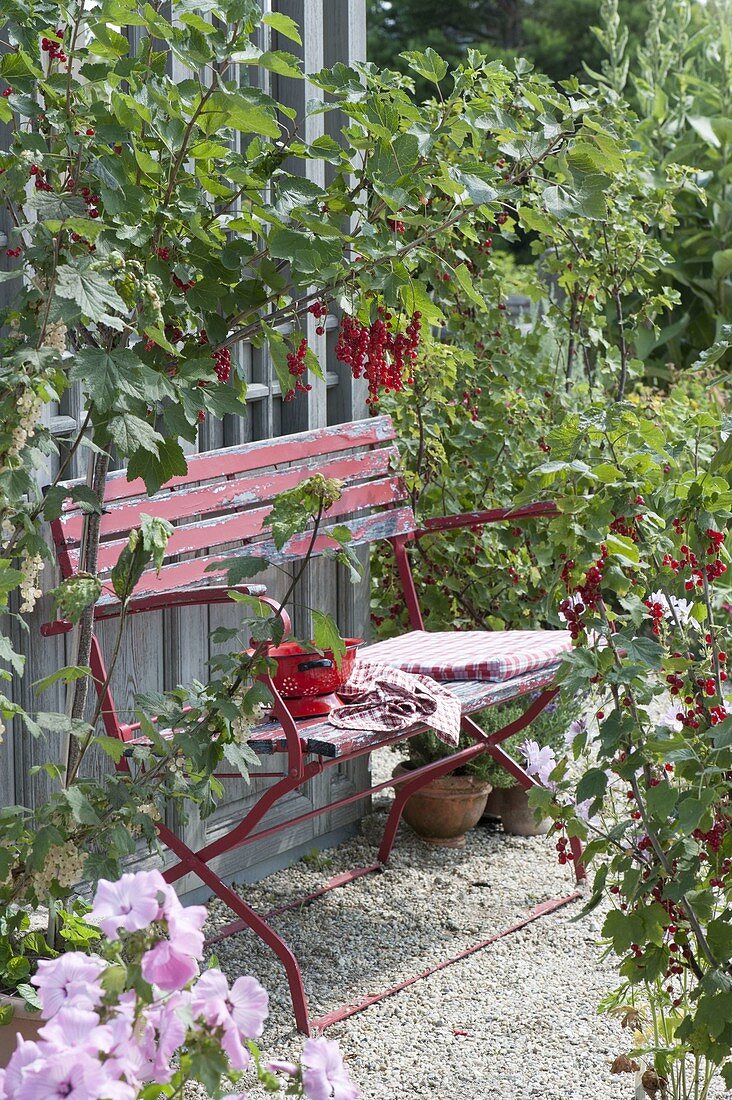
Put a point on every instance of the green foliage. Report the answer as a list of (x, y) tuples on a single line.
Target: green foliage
[(644, 587), (549, 729)]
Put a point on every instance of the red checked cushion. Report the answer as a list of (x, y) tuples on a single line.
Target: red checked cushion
[(471, 654)]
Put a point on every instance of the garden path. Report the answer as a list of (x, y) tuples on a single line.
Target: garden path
[(515, 1020)]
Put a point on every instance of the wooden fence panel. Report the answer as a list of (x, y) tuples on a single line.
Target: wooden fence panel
[(167, 648)]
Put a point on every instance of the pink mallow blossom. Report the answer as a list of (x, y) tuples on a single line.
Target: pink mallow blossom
[(71, 1075), (167, 967), (72, 977), (239, 1011), (324, 1076), (131, 903), (540, 762)]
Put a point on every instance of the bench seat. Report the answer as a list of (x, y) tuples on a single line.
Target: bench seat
[(323, 739)]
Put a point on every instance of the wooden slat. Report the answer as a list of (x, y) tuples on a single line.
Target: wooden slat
[(233, 494), (188, 538), (185, 574), (256, 456)]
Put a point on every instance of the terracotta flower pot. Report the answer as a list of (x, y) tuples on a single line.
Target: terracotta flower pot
[(517, 816), (24, 1022), (444, 810), (494, 802)]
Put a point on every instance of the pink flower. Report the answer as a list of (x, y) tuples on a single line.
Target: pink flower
[(249, 1005), (239, 1011), (73, 978), (167, 967), (75, 1076), (76, 1028), (131, 903), (170, 1030), (324, 1075), (540, 762), (278, 1065), (246, 1003), (184, 924), (26, 1052)]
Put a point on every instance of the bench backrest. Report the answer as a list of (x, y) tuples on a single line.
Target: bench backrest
[(219, 506)]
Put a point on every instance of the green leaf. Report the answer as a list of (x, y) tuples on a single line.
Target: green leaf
[(157, 469), (722, 263), (326, 635), (241, 113), (66, 675), (646, 651), (91, 292), (106, 375), (7, 653), (593, 784), (705, 130), (155, 534), (239, 569), (284, 25), (464, 279), (284, 64), (428, 64), (130, 433), (81, 808), (623, 548), (661, 800)]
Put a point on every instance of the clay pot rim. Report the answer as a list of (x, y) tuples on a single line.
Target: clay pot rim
[(20, 1008), (457, 784)]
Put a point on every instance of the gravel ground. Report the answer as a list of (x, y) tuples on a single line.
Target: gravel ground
[(515, 1020)]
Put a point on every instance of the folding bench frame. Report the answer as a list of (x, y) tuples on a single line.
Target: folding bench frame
[(311, 746)]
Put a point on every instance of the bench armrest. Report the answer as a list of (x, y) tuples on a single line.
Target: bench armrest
[(492, 515)]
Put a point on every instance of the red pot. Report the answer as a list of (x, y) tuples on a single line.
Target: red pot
[(303, 674)]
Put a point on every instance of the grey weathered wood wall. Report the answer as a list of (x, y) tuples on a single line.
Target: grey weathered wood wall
[(163, 649)]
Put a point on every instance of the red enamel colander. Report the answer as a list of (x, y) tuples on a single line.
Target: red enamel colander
[(309, 680)]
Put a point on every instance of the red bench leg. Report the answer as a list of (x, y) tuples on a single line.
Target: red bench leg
[(251, 919)]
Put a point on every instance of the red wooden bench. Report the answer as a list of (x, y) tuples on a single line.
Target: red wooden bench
[(222, 500)]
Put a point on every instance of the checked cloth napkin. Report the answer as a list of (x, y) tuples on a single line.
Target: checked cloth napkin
[(386, 699), (471, 654)]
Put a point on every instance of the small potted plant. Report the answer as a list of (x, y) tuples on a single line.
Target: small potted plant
[(444, 810), (535, 748)]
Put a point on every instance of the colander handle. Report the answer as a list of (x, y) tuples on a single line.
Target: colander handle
[(322, 662)]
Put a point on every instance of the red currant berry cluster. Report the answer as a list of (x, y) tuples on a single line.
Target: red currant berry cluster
[(297, 366), (7, 92), (626, 527), (91, 201), (13, 251), (502, 218), (396, 225), (564, 853), (41, 183), (486, 246), (712, 839), (383, 357), (221, 358), (543, 445), (163, 254), (586, 595), (78, 239), (657, 611), (319, 311), (55, 50), (184, 287)]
